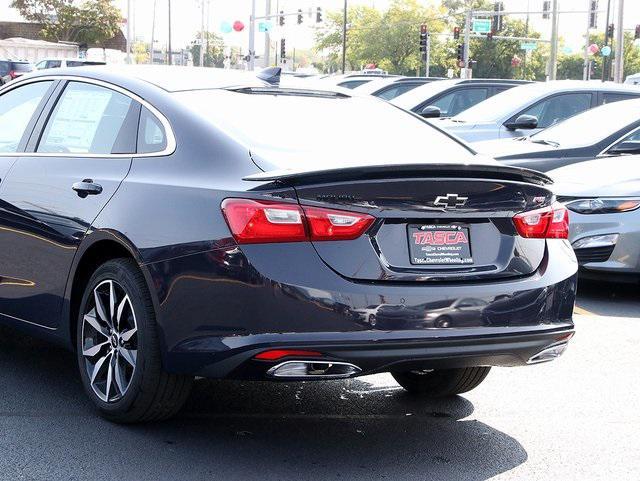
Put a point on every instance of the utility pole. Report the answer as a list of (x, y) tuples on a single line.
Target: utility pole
[(606, 42), (202, 34), (267, 37), (619, 66), (344, 38), (428, 61), (553, 58), (170, 59), (252, 36), (153, 32), (465, 49), (128, 31), (587, 63)]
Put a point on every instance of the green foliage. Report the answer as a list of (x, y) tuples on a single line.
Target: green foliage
[(90, 21), (389, 39), (213, 53)]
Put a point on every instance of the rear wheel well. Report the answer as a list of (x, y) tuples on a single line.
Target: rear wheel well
[(94, 257)]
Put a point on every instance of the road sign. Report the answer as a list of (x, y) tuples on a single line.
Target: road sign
[(264, 27), (605, 51), (528, 46), (481, 25)]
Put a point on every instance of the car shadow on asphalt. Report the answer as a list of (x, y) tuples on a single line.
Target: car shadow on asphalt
[(362, 428)]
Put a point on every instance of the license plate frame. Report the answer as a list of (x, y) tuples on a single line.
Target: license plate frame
[(439, 244)]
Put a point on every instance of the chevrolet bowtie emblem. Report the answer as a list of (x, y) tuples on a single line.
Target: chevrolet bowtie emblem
[(450, 201)]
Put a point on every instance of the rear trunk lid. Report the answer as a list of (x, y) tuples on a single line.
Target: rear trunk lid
[(434, 222)]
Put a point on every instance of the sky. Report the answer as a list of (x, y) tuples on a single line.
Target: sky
[(186, 18)]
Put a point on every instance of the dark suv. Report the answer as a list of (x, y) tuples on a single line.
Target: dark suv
[(12, 69)]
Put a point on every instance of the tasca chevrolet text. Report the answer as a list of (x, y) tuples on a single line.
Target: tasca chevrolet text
[(167, 225)]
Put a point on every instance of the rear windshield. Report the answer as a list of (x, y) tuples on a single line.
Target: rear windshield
[(297, 131), (22, 67), (82, 63)]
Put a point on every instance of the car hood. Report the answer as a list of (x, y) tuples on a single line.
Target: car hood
[(507, 147), (610, 177)]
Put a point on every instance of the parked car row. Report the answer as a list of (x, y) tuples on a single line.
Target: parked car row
[(13, 69)]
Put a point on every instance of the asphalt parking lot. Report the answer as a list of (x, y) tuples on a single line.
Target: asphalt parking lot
[(576, 418)]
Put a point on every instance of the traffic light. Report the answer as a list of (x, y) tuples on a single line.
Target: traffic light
[(496, 21), (610, 31), (593, 14), (281, 19), (283, 49), (423, 38), (546, 8), (637, 35), (299, 16), (490, 35), (460, 52), (456, 33), (319, 15)]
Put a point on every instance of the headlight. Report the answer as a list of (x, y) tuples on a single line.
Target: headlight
[(602, 206)]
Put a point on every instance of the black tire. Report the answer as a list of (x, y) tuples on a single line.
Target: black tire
[(152, 394), (441, 382)]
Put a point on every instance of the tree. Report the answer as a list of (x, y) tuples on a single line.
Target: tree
[(91, 21), (140, 51), (388, 39), (213, 50)]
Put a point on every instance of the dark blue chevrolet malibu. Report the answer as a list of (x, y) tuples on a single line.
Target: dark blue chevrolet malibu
[(173, 223)]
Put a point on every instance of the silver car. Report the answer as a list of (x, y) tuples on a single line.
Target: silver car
[(527, 109), (603, 199)]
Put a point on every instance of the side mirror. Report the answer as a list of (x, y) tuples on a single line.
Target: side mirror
[(625, 147), (430, 112), (523, 122)]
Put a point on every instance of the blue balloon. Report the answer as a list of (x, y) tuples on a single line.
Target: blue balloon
[(225, 27)]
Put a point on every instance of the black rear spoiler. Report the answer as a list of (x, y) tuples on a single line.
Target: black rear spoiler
[(479, 171)]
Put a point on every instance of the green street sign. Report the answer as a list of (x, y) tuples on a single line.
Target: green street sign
[(528, 46), (481, 25)]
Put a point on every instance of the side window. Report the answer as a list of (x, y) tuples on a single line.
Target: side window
[(559, 107), (455, 102), (54, 63), (151, 135), (17, 107), (610, 97), (4, 68), (351, 84), (88, 119)]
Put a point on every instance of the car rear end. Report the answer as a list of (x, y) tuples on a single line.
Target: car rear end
[(335, 267), (18, 69)]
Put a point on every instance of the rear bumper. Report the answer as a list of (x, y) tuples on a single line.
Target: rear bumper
[(216, 310)]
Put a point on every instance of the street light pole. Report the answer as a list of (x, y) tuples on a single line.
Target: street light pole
[(267, 37), (344, 38), (606, 42), (553, 58), (128, 31), (153, 32), (170, 59), (619, 66), (252, 36), (202, 34)]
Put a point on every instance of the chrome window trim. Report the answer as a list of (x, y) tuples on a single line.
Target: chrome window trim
[(617, 141), (168, 130)]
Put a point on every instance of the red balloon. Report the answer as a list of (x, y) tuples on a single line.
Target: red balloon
[(238, 26)]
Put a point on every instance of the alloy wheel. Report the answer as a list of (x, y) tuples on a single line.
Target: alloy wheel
[(109, 341)]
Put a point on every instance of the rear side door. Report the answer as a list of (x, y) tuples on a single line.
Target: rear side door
[(78, 155)]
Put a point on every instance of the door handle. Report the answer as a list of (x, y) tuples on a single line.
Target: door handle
[(87, 187)]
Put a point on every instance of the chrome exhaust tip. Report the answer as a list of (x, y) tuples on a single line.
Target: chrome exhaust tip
[(548, 353), (314, 369)]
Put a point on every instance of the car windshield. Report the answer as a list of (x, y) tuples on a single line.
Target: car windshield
[(591, 126), (503, 104), (418, 95), (327, 131)]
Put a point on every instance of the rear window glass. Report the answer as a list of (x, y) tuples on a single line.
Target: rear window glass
[(4, 67), (295, 131)]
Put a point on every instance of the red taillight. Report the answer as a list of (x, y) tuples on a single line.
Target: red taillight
[(12, 74), (254, 222), (546, 223), (329, 224), (276, 354)]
